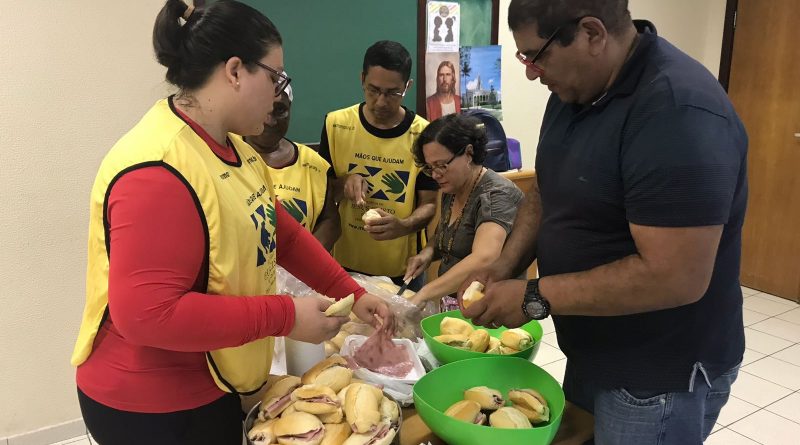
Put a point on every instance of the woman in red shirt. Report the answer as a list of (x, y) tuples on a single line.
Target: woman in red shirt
[(146, 379)]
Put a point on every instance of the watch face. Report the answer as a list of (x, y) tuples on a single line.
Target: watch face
[(535, 310)]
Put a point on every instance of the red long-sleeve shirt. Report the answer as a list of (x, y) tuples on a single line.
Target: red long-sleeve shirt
[(149, 355)]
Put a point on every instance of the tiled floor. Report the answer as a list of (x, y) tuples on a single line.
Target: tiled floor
[(764, 407)]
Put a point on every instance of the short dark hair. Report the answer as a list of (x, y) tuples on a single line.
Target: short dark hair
[(455, 132), (388, 55), (548, 15), (209, 36)]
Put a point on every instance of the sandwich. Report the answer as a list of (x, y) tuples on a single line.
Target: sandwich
[(487, 398), (466, 411), (315, 399), (335, 433), (361, 407), (289, 410), (383, 435), (509, 417), (370, 215), (494, 346), (332, 372), (454, 340), (299, 429), (334, 417), (473, 293), (530, 403), (342, 307), (516, 338), (390, 413), (278, 397), (262, 432), (455, 326), (505, 350), (479, 340)]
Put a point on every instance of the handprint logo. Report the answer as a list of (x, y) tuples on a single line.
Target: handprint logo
[(393, 182), (297, 208), (264, 221)]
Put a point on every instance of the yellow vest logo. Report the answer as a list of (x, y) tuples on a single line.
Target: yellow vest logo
[(298, 209), (384, 184), (265, 221)]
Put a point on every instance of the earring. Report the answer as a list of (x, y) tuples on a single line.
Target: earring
[(237, 83)]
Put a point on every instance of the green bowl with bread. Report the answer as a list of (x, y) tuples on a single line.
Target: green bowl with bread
[(523, 389), (449, 345)]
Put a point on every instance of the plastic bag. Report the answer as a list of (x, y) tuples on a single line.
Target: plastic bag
[(407, 315)]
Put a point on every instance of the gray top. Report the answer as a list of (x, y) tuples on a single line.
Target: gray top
[(495, 199)]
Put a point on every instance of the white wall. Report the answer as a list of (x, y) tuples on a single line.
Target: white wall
[(75, 76), (695, 26)]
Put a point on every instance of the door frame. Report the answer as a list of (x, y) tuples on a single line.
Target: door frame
[(727, 43)]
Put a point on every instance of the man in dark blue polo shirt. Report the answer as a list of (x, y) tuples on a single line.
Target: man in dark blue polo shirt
[(636, 222)]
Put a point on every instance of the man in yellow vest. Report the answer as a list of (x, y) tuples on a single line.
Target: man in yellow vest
[(298, 173), (369, 146)]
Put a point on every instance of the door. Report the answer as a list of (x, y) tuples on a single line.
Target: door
[(765, 89)]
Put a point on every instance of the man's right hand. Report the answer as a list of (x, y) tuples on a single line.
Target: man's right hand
[(497, 271), (311, 325), (355, 189)]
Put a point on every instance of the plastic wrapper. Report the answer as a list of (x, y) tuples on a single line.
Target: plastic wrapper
[(407, 315)]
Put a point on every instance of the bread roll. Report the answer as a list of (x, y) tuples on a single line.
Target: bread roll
[(455, 326), (262, 432), (336, 433), (278, 397), (473, 293), (517, 338), (299, 429), (479, 340), (315, 399), (487, 398), (370, 215), (466, 411), (331, 372), (508, 417), (342, 307), (531, 403), (361, 408)]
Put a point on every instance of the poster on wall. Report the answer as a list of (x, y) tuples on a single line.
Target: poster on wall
[(441, 85), (480, 79), (443, 27)]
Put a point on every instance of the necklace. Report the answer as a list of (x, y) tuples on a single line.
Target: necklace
[(446, 247)]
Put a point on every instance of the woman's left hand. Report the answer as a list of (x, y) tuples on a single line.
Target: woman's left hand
[(373, 310)]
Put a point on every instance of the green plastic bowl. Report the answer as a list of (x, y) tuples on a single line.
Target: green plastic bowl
[(439, 389), (448, 354)]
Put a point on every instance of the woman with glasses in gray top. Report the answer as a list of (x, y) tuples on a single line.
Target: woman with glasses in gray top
[(478, 207)]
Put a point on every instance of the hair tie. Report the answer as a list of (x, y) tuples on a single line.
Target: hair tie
[(188, 12), (480, 126)]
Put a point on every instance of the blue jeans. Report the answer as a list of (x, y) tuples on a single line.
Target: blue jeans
[(623, 417)]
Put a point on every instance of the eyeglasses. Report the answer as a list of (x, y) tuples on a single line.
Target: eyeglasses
[(390, 94), (281, 80), (531, 61), (441, 168)]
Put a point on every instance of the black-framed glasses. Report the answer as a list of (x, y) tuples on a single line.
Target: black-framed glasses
[(441, 168), (531, 61), (280, 79), (390, 94)]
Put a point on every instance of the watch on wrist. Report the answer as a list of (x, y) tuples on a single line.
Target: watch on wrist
[(534, 305)]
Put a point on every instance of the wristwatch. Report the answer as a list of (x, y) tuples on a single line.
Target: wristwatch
[(534, 305)]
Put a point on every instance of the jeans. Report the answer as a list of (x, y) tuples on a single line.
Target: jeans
[(627, 417)]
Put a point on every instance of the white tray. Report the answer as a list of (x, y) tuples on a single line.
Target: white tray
[(353, 342)]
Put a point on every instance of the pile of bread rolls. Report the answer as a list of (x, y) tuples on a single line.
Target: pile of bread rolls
[(458, 333), (528, 408), (325, 406)]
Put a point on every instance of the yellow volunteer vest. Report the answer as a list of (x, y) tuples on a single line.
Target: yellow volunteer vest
[(301, 186), (388, 165), (237, 204)]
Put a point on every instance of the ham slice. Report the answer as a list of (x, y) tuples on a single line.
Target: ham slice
[(322, 399), (380, 354), (275, 408), (311, 435)]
